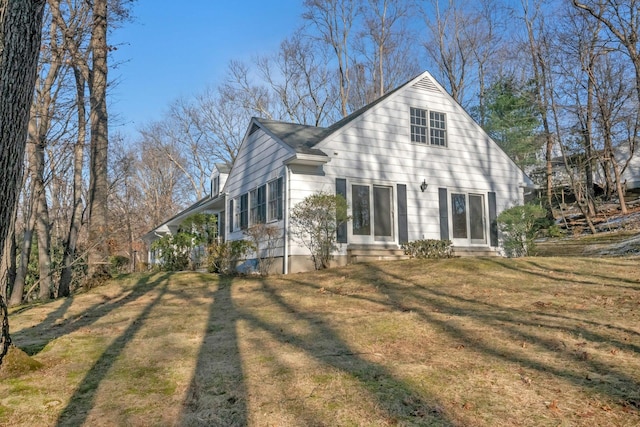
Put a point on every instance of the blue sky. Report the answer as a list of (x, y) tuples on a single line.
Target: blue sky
[(174, 49)]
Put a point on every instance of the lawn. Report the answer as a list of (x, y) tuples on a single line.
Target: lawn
[(456, 342)]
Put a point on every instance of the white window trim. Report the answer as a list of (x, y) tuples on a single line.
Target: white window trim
[(272, 218), (428, 139)]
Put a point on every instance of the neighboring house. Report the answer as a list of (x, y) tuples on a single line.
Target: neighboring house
[(412, 165)]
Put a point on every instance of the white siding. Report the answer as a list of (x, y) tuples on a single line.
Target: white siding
[(260, 160), (377, 147)]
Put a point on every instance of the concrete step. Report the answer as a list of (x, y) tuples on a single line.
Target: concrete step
[(473, 251), (361, 253)]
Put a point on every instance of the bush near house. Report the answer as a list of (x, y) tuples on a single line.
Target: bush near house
[(519, 226), (223, 256), (428, 248), (315, 222), (264, 239), (175, 250)]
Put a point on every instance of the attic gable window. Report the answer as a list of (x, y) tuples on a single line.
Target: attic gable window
[(438, 129), (418, 125), (435, 127)]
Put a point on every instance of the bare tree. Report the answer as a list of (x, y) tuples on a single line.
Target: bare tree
[(539, 54), (385, 53), (163, 186), (75, 222), (334, 21), (622, 19), (20, 24), (300, 81), (447, 45), (98, 160)]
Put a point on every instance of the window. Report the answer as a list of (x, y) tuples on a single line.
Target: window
[(372, 212), (235, 206), (215, 186), (275, 200), (240, 216), (436, 128), (361, 207), (258, 201), (418, 125)]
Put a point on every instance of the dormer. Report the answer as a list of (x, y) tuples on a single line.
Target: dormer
[(219, 177)]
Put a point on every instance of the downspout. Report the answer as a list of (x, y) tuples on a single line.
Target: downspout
[(286, 235)]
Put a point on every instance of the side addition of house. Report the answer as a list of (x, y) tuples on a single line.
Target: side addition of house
[(412, 165)]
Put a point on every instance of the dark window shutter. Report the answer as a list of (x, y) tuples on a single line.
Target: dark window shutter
[(280, 198), (231, 216), (403, 226), (341, 190), (244, 211), (493, 223), (262, 203), (444, 214)]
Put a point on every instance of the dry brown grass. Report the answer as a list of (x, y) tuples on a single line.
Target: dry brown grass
[(458, 342)]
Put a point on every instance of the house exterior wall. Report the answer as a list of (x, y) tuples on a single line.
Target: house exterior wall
[(376, 148), (259, 161)]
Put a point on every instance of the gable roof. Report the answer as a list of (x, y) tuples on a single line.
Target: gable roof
[(303, 138)]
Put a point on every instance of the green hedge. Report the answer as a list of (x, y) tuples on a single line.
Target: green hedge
[(428, 248)]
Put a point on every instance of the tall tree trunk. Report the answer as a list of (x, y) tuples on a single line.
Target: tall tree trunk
[(43, 231), (8, 263), (589, 194), (608, 150), (98, 180), (64, 287), (25, 253), (20, 33), (539, 65)]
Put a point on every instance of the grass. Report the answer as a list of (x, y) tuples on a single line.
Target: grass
[(457, 342)]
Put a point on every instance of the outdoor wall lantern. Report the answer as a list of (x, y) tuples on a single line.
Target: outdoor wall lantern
[(423, 186)]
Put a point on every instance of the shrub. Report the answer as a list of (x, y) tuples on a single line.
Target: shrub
[(315, 221), (429, 248), (118, 263), (265, 239), (224, 256), (520, 225), (175, 250)]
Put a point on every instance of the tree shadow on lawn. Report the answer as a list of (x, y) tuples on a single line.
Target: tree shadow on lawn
[(431, 305), (82, 401), (33, 340), (586, 279), (218, 392), (393, 397)]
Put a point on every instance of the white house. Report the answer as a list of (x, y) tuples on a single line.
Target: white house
[(412, 165)]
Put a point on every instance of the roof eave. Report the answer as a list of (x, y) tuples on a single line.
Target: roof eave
[(307, 159)]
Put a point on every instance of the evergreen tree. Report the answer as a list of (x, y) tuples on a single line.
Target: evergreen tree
[(512, 120)]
